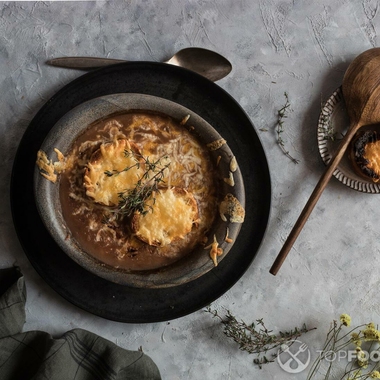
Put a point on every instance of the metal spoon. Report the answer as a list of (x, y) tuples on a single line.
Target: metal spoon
[(205, 62)]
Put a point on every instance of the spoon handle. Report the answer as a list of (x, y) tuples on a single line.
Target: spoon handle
[(83, 63), (322, 183)]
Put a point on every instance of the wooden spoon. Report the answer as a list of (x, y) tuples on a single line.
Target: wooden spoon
[(361, 92)]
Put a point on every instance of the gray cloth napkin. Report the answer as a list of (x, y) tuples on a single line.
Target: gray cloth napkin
[(77, 354)]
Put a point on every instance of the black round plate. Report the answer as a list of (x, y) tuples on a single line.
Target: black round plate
[(118, 302)]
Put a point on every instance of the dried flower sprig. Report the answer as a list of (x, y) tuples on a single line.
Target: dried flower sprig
[(281, 115), (364, 342), (135, 199), (256, 338)]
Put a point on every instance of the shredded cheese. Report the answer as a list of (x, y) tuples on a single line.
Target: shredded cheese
[(227, 239), (233, 164), (215, 145), (48, 168), (230, 180), (215, 251), (185, 119)]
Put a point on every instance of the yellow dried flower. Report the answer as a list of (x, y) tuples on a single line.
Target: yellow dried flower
[(345, 319), (375, 375), (361, 357), (371, 334), (356, 339)]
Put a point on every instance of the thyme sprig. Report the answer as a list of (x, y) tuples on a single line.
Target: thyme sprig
[(135, 199), (256, 338), (281, 115)]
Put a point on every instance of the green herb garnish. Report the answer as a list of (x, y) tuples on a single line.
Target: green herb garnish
[(135, 199)]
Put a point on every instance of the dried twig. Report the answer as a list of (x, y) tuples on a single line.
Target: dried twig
[(256, 338), (281, 115)]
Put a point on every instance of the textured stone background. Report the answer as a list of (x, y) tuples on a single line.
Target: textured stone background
[(298, 47)]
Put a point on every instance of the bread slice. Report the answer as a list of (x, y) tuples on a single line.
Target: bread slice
[(232, 207), (171, 215), (365, 154), (112, 158)]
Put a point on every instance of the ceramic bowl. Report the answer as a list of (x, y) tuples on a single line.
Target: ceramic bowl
[(63, 134), (332, 126)]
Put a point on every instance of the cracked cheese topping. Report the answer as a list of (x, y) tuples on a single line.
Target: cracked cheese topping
[(111, 158), (170, 217), (372, 155)]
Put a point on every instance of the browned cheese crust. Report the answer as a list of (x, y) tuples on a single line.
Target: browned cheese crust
[(365, 154), (171, 214), (231, 206), (111, 158)]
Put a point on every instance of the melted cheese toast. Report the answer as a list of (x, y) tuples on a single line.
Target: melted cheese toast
[(111, 158), (372, 155), (172, 212)]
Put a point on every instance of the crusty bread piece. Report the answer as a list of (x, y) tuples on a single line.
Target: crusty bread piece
[(231, 206), (364, 154), (48, 168), (172, 212), (111, 157)]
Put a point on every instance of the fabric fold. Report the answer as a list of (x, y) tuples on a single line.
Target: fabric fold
[(78, 354), (12, 301)]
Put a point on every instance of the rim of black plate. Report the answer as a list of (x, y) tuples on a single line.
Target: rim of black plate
[(107, 299)]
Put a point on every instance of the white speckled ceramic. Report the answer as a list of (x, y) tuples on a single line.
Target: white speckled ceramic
[(64, 133), (334, 118)]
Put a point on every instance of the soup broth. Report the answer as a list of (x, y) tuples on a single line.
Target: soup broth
[(102, 233)]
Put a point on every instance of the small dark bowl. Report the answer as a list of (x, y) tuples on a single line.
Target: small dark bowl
[(62, 136)]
